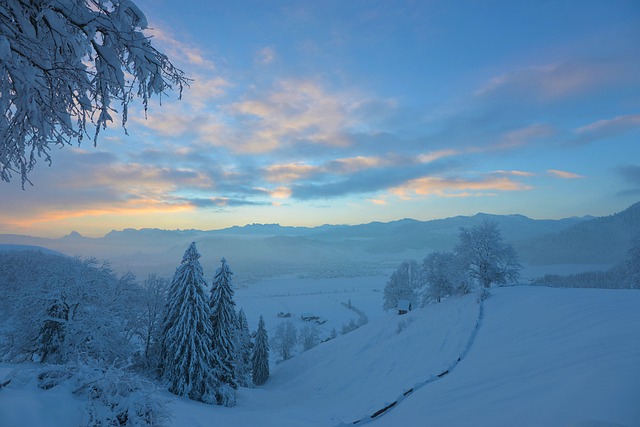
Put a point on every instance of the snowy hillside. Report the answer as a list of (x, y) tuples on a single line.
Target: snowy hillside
[(540, 357), (599, 240)]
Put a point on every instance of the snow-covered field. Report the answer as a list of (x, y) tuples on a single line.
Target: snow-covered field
[(326, 298), (540, 357)]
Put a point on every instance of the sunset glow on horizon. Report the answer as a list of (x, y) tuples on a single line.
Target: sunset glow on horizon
[(309, 113)]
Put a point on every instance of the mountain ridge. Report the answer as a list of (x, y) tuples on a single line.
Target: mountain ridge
[(257, 250)]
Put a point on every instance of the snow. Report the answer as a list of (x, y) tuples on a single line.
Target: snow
[(22, 403), (540, 356), (322, 297)]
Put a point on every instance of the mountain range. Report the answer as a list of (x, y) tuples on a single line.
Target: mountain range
[(258, 250)]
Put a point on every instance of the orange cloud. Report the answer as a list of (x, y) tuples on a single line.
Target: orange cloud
[(127, 208), (281, 193), (444, 187), (378, 201), (294, 171), (564, 174), (289, 172)]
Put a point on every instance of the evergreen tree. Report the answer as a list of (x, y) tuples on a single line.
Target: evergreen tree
[(243, 350), (187, 361), (260, 356), (223, 322)]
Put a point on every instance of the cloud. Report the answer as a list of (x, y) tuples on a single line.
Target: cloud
[(392, 173), (378, 201), (552, 81), (289, 172), (179, 50), (564, 174), (523, 136), (266, 55), (435, 155), (457, 187), (281, 193), (607, 128), (89, 183), (344, 170), (220, 202), (514, 173), (293, 112), (204, 90), (631, 174)]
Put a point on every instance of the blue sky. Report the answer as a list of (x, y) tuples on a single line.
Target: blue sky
[(345, 112)]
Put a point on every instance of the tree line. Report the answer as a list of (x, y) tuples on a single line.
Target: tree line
[(481, 257), (64, 311)]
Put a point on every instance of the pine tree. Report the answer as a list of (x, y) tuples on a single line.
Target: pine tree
[(187, 359), (243, 351), (223, 322), (260, 356)]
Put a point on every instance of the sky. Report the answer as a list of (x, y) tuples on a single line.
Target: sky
[(346, 112)]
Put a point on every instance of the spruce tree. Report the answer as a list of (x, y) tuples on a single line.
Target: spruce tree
[(187, 359), (260, 357), (223, 323), (243, 350)]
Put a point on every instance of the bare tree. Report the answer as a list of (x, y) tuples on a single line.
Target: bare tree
[(285, 338), (403, 284)]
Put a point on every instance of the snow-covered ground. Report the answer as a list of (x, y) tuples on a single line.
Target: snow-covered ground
[(322, 297), (540, 357)]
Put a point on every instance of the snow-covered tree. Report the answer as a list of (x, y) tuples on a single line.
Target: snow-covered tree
[(154, 299), (223, 322), (403, 284), (188, 361), (285, 339), (260, 355), (310, 337), (58, 309), (485, 255), (333, 334), (243, 350), (444, 274), (52, 333), (437, 268), (63, 66)]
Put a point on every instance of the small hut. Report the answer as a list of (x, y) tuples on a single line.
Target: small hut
[(404, 306)]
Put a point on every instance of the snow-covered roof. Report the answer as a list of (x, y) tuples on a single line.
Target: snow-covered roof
[(404, 304)]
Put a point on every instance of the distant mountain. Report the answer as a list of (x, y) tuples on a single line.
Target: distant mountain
[(13, 248), (258, 250), (598, 240)]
